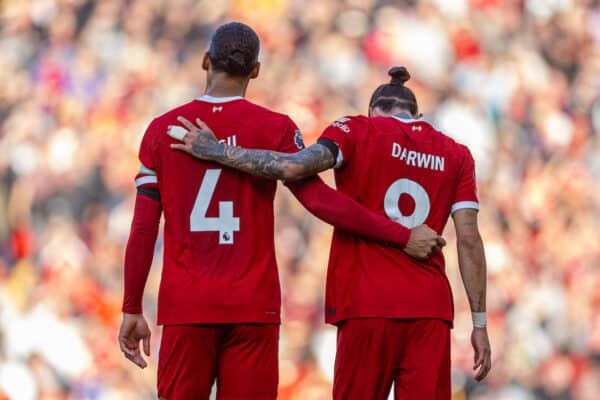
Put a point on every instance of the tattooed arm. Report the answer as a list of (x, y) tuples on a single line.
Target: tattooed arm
[(273, 164), (471, 261), (471, 257), (200, 142)]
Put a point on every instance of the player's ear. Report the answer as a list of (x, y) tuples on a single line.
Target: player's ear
[(375, 112), (255, 71), (206, 62)]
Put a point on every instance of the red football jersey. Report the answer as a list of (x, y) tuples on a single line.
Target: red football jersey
[(415, 174), (218, 221)]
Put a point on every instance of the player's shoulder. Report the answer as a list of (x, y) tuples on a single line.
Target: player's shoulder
[(351, 123)]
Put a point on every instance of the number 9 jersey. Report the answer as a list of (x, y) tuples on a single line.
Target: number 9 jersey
[(415, 175), (219, 259)]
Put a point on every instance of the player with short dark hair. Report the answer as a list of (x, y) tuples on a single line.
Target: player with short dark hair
[(219, 297), (393, 313)]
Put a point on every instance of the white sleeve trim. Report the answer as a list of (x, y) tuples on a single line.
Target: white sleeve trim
[(464, 204), (145, 179)]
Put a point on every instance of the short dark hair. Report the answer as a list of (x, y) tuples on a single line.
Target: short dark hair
[(234, 49), (395, 94)]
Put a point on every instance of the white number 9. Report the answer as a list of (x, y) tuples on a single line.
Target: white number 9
[(418, 194)]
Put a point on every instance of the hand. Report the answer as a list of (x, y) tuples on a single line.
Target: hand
[(133, 329), (483, 354), (423, 242), (198, 141)]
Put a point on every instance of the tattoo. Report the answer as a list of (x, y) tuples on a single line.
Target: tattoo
[(273, 164), (476, 300), (471, 258)]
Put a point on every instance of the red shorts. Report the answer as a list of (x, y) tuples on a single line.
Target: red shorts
[(414, 354), (242, 358)]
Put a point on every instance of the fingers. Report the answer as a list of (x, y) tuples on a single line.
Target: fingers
[(125, 346), (177, 132), (441, 242), (146, 342), (178, 146), (131, 351), (478, 360), (186, 123), (137, 360), (202, 125), (485, 368), (483, 363)]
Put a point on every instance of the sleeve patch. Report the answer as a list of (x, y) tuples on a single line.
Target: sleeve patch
[(298, 140), (341, 125)]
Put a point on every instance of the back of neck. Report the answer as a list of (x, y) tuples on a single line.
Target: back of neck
[(221, 85)]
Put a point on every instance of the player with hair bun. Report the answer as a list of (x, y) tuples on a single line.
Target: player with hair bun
[(393, 313), (219, 298)]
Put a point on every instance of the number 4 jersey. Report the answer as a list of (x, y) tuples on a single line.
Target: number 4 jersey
[(218, 222), (414, 174)]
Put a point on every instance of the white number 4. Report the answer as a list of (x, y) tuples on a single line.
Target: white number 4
[(225, 223)]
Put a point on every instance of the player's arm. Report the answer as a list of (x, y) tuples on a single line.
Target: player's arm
[(138, 256), (471, 259), (324, 202), (472, 264), (200, 142), (341, 211), (138, 259)]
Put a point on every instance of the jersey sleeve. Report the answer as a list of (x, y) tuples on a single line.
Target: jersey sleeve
[(466, 190), (146, 177), (343, 212), (342, 132), (291, 140), (144, 227)]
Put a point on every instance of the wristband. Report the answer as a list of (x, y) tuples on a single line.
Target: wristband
[(479, 319)]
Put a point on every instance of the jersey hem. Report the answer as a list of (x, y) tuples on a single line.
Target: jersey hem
[(335, 320), (211, 317)]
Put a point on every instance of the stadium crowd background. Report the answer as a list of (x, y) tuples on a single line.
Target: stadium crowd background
[(518, 81)]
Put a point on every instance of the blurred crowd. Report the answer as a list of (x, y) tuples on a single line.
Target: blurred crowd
[(518, 81)]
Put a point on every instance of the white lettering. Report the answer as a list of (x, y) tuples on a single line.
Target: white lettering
[(343, 127), (423, 160), (229, 140), (403, 155), (396, 150), (417, 159), (439, 163)]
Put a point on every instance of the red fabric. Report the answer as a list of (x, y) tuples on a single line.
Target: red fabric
[(139, 251), (212, 274), (385, 158), (344, 213), (374, 353), (219, 266), (244, 357)]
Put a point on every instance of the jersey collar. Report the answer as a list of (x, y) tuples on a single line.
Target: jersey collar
[(210, 99), (404, 117)]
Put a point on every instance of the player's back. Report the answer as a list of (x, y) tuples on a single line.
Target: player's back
[(414, 174), (219, 262)]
